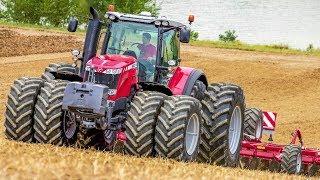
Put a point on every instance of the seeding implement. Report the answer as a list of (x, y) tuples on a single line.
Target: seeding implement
[(133, 91), (293, 158)]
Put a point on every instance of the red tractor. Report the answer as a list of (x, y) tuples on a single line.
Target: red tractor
[(132, 90)]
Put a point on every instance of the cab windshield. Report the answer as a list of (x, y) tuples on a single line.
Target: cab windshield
[(137, 40)]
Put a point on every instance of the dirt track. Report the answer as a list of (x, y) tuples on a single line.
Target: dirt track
[(289, 85)]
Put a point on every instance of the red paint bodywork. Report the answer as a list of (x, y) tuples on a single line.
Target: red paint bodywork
[(270, 151), (128, 75), (179, 80)]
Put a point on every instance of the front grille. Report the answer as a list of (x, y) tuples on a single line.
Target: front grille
[(110, 80)]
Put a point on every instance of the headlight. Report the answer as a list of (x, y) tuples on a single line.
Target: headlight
[(165, 23), (75, 53), (112, 17), (112, 92), (172, 63), (157, 23)]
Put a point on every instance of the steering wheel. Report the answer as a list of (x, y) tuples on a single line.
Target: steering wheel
[(135, 44), (115, 49), (146, 64)]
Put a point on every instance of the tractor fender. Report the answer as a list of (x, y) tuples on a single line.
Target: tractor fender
[(149, 86), (184, 79), (67, 76)]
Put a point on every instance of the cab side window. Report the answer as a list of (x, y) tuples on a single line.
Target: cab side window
[(170, 47)]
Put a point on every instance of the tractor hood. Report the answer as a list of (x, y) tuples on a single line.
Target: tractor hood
[(105, 62)]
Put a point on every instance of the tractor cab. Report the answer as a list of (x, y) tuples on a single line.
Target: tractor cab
[(153, 42)]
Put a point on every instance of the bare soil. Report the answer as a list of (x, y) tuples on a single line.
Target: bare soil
[(18, 42), (288, 85)]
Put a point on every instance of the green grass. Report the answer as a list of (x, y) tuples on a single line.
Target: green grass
[(274, 48)]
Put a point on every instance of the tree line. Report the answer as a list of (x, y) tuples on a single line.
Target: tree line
[(58, 12)]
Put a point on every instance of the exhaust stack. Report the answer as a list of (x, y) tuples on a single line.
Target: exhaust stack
[(92, 37)]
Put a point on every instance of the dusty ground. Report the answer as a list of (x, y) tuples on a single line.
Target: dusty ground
[(289, 85), (21, 42)]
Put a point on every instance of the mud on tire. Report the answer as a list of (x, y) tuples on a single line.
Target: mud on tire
[(178, 128), (48, 113), (253, 123), (20, 109), (221, 101), (141, 122), (291, 159), (60, 68)]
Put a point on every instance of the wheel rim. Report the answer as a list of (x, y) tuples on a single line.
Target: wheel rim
[(69, 125), (235, 130), (259, 129), (299, 163), (192, 134)]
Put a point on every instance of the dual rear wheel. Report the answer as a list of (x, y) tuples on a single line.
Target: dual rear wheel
[(223, 118), (183, 128)]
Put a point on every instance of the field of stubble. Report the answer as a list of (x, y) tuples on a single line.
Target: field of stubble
[(286, 84)]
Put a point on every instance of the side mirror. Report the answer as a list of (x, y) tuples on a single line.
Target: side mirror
[(73, 25), (185, 34)]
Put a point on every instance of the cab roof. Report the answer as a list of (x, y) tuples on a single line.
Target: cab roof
[(143, 19)]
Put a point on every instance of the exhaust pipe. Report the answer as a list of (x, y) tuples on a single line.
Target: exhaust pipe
[(92, 37)]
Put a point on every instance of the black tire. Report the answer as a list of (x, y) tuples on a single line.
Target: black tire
[(253, 123), (172, 126), (198, 90), (291, 159), (20, 109), (274, 166), (219, 103), (244, 162), (48, 74), (141, 122), (313, 170), (254, 163), (48, 113)]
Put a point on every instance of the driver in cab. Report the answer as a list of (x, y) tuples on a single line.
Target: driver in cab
[(147, 50)]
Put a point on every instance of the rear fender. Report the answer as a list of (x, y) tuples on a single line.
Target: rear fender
[(184, 79)]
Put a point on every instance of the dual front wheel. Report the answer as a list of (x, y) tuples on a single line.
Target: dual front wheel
[(34, 113)]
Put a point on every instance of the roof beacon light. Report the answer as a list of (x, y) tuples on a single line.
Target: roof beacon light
[(191, 19), (145, 13), (111, 8)]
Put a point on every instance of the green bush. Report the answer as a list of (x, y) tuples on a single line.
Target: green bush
[(228, 36), (310, 47), (57, 13), (279, 46), (194, 36)]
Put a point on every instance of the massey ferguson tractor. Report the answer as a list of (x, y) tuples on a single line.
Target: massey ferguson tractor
[(130, 89)]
